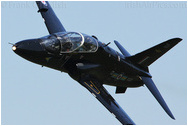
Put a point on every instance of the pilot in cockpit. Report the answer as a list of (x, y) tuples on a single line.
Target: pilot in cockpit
[(67, 46)]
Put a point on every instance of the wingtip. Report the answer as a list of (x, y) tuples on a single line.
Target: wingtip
[(177, 39), (172, 117)]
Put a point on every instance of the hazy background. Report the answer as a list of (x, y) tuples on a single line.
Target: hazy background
[(35, 95)]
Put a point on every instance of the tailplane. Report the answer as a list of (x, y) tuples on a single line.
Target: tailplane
[(146, 58), (150, 55)]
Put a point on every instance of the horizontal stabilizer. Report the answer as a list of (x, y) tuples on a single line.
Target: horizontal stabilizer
[(153, 89), (122, 49), (120, 89), (150, 55)]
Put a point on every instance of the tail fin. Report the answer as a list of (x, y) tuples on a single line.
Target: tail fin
[(52, 22), (150, 55)]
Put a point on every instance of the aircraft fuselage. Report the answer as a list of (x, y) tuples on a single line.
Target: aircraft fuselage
[(105, 64), (93, 63)]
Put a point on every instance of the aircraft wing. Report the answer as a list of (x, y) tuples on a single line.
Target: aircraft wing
[(52, 22), (99, 92)]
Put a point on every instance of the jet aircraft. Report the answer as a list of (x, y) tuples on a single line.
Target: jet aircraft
[(93, 63)]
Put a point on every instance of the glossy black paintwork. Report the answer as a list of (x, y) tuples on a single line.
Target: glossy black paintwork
[(98, 65), (105, 57), (52, 22)]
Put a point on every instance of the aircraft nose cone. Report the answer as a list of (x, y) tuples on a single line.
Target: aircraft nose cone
[(31, 45), (25, 47)]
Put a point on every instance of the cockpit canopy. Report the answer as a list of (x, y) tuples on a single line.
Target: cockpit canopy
[(69, 42)]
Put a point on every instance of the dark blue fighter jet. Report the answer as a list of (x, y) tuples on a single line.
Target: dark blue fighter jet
[(93, 63)]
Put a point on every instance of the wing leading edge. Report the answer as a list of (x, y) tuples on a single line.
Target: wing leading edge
[(99, 92), (52, 22)]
